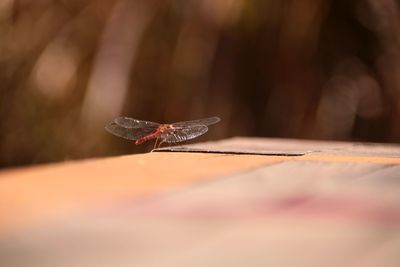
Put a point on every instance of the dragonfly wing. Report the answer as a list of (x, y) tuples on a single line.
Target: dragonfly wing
[(206, 122), (129, 133), (180, 134), (127, 122)]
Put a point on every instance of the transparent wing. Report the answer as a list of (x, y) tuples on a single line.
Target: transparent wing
[(129, 133), (127, 122), (183, 134), (206, 122)]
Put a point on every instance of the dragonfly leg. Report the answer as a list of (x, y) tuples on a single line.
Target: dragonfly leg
[(155, 144), (159, 145)]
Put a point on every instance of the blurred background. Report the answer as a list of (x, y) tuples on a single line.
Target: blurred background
[(314, 69)]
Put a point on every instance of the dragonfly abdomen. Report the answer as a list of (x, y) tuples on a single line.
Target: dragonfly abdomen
[(148, 137)]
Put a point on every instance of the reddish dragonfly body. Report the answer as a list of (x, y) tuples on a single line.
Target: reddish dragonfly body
[(142, 131)]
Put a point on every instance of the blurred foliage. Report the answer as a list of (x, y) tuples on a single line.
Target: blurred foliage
[(299, 69)]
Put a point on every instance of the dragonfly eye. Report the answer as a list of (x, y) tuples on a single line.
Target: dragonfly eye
[(164, 128)]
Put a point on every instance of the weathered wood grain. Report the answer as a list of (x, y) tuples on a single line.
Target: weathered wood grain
[(328, 204)]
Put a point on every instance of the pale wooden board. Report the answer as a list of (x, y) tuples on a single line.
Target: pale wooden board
[(337, 205), (35, 194), (292, 213)]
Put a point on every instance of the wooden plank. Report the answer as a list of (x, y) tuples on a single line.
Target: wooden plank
[(36, 194), (302, 213), (336, 205)]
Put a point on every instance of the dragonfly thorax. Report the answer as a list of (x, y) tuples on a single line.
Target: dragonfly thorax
[(165, 128)]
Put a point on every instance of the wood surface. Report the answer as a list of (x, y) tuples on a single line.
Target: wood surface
[(235, 202)]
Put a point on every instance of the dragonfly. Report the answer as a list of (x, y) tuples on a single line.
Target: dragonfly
[(141, 131)]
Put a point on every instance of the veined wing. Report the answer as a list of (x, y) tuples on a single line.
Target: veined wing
[(181, 134), (206, 122), (130, 133), (127, 122)]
